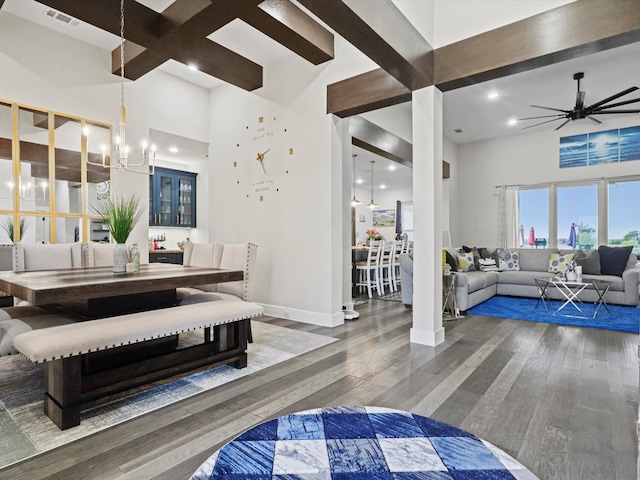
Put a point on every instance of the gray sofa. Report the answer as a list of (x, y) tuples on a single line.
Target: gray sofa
[(475, 287)]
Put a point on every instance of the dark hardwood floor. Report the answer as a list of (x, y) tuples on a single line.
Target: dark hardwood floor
[(561, 400)]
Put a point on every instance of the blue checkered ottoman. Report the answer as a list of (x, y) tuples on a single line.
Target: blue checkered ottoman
[(359, 443)]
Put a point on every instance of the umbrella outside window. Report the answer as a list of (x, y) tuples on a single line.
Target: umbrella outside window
[(573, 238)]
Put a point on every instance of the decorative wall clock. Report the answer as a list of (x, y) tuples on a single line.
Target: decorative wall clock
[(268, 156)]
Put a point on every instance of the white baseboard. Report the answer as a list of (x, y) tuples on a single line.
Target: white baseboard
[(425, 337), (303, 316)]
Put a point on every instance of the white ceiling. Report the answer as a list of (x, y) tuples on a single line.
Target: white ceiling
[(606, 73), (467, 108)]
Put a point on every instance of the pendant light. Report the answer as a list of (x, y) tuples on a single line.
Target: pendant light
[(372, 204), (148, 159), (354, 201)]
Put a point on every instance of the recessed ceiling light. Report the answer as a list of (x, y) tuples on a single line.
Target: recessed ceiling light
[(358, 181), (493, 95), (392, 167), (512, 121), (173, 149), (193, 67), (383, 186)]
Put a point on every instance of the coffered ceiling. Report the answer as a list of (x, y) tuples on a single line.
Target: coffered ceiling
[(232, 40)]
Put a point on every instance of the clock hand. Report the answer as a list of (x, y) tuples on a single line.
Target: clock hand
[(261, 159)]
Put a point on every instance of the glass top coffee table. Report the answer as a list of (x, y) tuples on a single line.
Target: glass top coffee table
[(570, 291)]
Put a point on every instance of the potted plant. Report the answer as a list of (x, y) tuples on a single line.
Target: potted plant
[(9, 227), (120, 215)]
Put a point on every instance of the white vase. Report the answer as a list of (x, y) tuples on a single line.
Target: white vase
[(572, 276), (120, 257)]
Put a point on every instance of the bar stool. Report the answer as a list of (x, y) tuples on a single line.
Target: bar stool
[(368, 271)]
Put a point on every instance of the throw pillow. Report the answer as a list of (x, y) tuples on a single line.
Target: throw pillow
[(559, 262), (508, 260), (613, 260), (465, 262), (451, 261), (476, 255), (590, 263)]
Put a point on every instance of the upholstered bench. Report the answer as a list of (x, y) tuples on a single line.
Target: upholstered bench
[(93, 362)]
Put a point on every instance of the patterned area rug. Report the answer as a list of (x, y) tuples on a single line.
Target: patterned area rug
[(27, 431), (392, 297), (358, 443)]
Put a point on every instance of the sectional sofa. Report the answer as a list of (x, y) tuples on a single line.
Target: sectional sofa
[(474, 287)]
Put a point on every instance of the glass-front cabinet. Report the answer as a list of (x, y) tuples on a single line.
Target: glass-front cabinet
[(172, 198)]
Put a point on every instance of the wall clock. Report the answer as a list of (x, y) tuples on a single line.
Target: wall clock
[(267, 155)]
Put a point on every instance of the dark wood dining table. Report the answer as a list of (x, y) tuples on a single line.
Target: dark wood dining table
[(99, 292)]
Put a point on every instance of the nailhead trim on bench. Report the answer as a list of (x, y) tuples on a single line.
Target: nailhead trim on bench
[(24, 341)]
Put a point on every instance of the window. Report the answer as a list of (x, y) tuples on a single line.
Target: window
[(578, 206), (624, 226), (533, 215), (407, 219)]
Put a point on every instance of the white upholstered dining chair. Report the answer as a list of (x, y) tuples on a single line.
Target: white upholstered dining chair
[(46, 256), (98, 254)]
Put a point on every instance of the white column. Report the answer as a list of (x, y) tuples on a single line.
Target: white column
[(427, 217)]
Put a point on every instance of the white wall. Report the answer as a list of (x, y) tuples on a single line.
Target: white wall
[(516, 160), (52, 71), (299, 228)]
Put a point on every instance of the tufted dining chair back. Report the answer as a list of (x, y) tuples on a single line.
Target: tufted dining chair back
[(98, 254), (234, 256), (46, 256)]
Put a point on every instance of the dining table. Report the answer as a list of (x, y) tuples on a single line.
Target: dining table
[(97, 292)]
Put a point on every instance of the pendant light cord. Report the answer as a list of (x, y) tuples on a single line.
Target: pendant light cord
[(121, 52)]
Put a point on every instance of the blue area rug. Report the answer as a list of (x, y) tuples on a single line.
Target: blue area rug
[(622, 319)]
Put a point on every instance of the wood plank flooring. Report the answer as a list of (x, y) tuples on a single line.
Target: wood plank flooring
[(561, 400)]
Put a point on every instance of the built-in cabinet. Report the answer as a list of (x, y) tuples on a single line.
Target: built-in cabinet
[(172, 198)]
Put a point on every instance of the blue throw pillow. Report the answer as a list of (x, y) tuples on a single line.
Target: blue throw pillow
[(613, 260)]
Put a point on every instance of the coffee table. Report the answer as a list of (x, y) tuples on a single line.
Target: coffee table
[(358, 443), (570, 291)]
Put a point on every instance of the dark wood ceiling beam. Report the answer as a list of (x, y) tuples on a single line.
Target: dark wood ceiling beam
[(567, 32), (365, 92), (292, 28), (153, 31), (375, 139), (379, 30)]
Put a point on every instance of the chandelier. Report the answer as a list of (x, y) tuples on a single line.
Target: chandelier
[(354, 200), (121, 147)]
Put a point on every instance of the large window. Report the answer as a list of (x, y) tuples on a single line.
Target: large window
[(578, 209), (534, 217), (580, 216), (624, 224)]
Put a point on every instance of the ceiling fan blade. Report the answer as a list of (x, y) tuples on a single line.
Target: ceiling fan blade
[(605, 112), (579, 100), (619, 104), (549, 108), (594, 120), (563, 124), (543, 116), (612, 97), (542, 123)]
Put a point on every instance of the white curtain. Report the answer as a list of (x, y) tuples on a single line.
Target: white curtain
[(508, 217)]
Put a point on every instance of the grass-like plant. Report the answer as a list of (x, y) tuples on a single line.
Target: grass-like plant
[(120, 214), (9, 227)]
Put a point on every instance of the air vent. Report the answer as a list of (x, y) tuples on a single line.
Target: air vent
[(458, 130), (62, 17)]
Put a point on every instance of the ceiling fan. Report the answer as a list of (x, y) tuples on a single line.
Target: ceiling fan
[(582, 111)]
